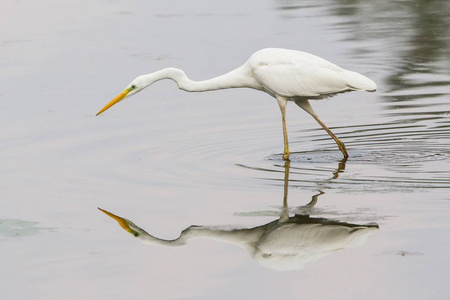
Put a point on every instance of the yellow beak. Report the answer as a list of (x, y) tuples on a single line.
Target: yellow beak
[(115, 100), (122, 222)]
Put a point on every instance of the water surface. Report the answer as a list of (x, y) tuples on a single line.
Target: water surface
[(167, 159)]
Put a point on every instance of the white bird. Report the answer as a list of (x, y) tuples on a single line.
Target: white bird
[(285, 244), (287, 75)]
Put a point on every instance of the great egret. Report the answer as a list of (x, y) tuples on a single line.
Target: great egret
[(283, 244), (286, 243), (287, 75)]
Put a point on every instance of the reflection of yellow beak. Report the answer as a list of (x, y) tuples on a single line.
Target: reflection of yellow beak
[(115, 100), (122, 222)]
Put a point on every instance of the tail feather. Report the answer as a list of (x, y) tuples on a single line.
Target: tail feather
[(357, 81)]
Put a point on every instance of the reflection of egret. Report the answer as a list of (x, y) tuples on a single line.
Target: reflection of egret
[(287, 243), (287, 75)]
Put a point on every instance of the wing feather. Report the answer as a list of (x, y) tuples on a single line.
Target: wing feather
[(291, 73)]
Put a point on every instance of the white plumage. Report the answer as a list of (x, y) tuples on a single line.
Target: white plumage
[(282, 245), (291, 74), (287, 75)]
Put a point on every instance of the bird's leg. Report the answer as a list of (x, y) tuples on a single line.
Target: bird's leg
[(304, 104), (339, 143), (282, 102)]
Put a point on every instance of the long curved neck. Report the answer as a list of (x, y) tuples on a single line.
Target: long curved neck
[(152, 240), (246, 238), (238, 78)]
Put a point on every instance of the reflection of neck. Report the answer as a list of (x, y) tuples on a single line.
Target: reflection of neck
[(151, 240), (246, 238)]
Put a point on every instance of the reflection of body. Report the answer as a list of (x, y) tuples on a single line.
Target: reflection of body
[(288, 243), (282, 245), (302, 240)]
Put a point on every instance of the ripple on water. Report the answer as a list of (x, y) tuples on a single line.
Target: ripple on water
[(404, 153), (383, 157)]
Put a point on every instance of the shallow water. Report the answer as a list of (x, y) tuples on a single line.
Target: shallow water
[(167, 160)]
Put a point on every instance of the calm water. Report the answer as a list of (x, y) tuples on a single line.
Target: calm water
[(375, 226)]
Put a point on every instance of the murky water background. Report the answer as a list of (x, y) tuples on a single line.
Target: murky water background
[(167, 159)]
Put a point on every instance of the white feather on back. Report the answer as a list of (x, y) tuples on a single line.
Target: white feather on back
[(290, 73)]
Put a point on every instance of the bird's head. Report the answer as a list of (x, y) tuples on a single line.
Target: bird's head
[(125, 224), (133, 88)]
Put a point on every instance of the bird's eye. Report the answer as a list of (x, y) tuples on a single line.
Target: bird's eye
[(133, 86)]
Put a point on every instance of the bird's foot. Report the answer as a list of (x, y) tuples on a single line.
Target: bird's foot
[(343, 150)]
